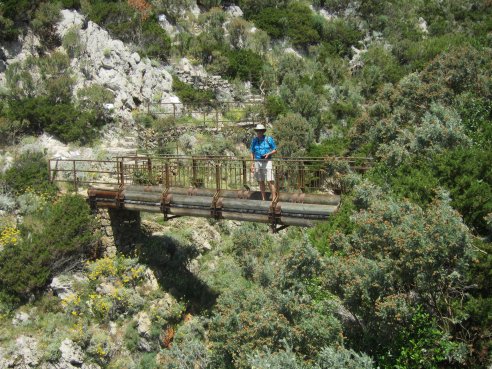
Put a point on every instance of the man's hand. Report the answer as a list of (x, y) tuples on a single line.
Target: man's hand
[(252, 169), (267, 155)]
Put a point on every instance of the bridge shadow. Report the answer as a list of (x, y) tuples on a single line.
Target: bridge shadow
[(170, 260), (166, 256)]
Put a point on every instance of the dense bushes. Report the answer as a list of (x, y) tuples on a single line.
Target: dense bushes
[(63, 234), (293, 134), (46, 103), (397, 258), (246, 65), (190, 95), (29, 171), (64, 120), (296, 21), (463, 172), (137, 25)]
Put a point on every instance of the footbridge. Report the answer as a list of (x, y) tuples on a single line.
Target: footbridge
[(219, 187)]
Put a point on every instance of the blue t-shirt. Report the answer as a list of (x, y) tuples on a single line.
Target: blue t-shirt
[(262, 146)]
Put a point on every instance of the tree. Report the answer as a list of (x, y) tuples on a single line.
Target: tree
[(396, 259), (44, 23), (292, 134)]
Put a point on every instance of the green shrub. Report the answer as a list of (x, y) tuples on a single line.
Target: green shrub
[(380, 66), (63, 120), (417, 54), (296, 22), (252, 7), (29, 171), (476, 114), (155, 42), (132, 337), (7, 30), (72, 43), (246, 65), (397, 250), (292, 134), (339, 35), (420, 344), (63, 238), (342, 358), (244, 321), (92, 99), (190, 95), (275, 106), (44, 23)]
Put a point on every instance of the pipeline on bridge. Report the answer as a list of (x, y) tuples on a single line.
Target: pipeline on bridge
[(217, 187)]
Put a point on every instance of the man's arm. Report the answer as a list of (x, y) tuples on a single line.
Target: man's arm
[(273, 147)]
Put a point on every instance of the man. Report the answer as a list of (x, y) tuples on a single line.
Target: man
[(262, 148)]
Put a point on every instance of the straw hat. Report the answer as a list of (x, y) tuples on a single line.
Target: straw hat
[(260, 127)]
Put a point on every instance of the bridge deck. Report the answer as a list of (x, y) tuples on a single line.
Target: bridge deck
[(213, 187)]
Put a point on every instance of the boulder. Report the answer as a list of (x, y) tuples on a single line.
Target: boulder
[(71, 354), (27, 354), (62, 285), (111, 63), (143, 324), (234, 11), (20, 318)]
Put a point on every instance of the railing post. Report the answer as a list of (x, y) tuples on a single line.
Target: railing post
[(217, 177), (49, 171), (149, 169), (75, 177), (194, 171), (301, 177), (122, 174), (166, 178), (245, 179)]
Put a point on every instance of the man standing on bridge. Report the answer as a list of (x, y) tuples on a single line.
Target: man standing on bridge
[(262, 148)]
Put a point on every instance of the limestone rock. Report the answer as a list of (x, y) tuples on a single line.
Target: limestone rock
[(150, 282), (105, 289), (20, 318), (111, 63), (144, 345), (71, 354), (27, 354), (143, 324), (234, 11), (61, 287)]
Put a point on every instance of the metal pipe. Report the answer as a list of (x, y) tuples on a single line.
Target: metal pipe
[(145, 196), (139, 207), (327, 199), (308, 209), (245, 204)]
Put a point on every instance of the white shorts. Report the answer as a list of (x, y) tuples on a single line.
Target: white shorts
[(263, 170)]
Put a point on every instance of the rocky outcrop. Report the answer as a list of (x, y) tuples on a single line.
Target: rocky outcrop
[(62, 285), (200, 79), (25, 354), (134, 80)]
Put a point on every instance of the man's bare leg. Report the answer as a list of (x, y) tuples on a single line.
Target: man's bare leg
[(273, 190), (262, 189)]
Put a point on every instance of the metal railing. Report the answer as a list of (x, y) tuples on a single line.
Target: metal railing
[(307, 175), (222, 114)]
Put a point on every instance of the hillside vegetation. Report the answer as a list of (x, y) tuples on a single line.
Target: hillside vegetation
[(399, 278)]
